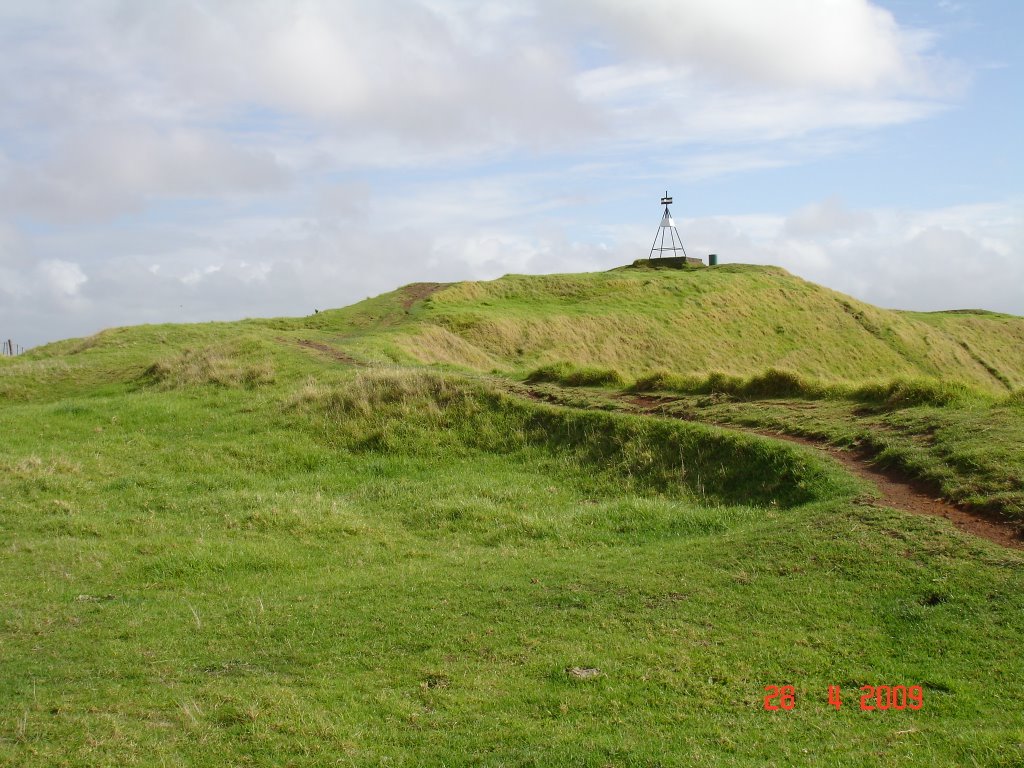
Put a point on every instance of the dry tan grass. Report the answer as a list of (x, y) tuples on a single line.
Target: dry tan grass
[(370, 391), (738, 320), (433, 344), (210, 366)]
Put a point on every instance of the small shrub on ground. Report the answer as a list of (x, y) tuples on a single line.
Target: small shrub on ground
[(778, 383), (595, 377), (659, 380), (209, 366), (572, 376), (552, 372), (781, 383), (908, 392), (771, 383)]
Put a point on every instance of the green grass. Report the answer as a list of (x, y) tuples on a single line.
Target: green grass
[(774, 383), (573, 376), (971, 451), (229, 544), (737, 319), (967, 445)]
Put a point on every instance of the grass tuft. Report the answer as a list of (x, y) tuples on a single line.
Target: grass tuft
[(210, 365), (576, 376), (776, 383), (1015, 398), (907, 392)]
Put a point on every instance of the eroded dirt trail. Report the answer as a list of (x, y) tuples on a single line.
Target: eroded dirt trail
[(325, 349), (331, 352), (897, 490)]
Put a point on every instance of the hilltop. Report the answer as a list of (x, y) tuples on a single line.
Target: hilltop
[(736, 319), (733, 318)]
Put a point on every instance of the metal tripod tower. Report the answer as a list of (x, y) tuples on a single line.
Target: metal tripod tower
[(667, 226)]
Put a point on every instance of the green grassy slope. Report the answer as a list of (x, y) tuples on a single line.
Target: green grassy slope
[(393, 567), (733, 318), (737, 319), (994, 340), (279, 542)]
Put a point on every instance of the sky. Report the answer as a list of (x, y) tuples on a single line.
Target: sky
[(193, 160)]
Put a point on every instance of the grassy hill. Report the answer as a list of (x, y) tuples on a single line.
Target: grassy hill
[(293, 542), (733, 318)]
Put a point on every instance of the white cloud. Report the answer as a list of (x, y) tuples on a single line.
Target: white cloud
[(109, 170), (201, 159), (849, 45), (399, 68), (63, 278), (830, 216), (360, 83)]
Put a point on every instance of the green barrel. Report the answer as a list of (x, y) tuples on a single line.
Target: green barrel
[(712, 259)]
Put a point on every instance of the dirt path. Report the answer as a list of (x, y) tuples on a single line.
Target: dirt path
[(415, 292), (898, 490), (331, 352)]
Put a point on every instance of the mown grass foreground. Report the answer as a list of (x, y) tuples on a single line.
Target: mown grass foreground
[(221, 547)]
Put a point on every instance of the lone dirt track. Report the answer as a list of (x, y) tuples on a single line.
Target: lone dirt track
[(897, 490)]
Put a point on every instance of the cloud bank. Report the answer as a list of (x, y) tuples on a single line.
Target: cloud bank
[(198, 160)]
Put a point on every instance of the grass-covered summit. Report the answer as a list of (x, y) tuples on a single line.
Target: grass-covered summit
[(737, 319), (734, 319)]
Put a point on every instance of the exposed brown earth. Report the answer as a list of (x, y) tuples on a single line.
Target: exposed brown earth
[(418, 292), (900, 491), (897, 489), (335, 354)]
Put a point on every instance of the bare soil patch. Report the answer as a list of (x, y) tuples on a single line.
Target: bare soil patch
[(415, 292), (331, 352), (897, 489)]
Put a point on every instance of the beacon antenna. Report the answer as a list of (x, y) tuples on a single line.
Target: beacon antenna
[(667, 229)]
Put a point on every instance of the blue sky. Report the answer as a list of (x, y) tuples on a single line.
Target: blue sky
[(182, 160)]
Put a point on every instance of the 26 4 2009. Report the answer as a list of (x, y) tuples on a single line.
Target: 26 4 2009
[(873, 698)]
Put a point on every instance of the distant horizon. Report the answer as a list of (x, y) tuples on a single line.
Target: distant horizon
[(173, 162)]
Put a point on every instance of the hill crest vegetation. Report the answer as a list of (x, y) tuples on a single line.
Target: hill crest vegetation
[(622, 325), (736, 319)]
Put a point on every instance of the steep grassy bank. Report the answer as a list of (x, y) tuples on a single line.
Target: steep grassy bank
[(734, 318), (397, 567), (971, 452), (386, 410)]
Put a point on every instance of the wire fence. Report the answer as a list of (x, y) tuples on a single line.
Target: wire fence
[(11, 349)]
